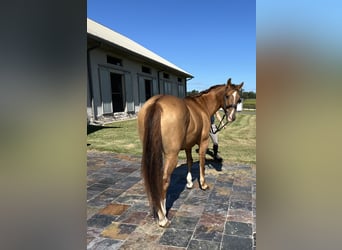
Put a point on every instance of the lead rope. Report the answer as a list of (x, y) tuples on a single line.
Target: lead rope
[(220, 126)]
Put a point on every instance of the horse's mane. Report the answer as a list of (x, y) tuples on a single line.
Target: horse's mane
[(204, 91)]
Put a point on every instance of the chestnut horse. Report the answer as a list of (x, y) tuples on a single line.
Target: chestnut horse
[(168, 124)]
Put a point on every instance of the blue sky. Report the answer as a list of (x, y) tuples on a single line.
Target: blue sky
[(312, 23), (213, 40)]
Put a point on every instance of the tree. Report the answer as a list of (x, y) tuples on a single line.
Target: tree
[(248, 95), (192, 92)]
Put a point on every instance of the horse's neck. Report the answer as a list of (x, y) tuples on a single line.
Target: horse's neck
[(210, 101), (210, 104)]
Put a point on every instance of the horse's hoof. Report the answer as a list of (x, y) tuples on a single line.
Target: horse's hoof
[(164, 223), (189, 186), (204, 187)]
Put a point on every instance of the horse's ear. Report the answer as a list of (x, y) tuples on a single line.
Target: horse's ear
[(240, 86), (229, 82)]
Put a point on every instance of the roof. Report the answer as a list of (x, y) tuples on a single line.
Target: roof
[(104, 33)]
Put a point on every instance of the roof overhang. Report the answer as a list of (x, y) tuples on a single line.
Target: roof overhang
[(110, 39)]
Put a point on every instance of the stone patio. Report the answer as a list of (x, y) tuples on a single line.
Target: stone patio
[(119, 216)]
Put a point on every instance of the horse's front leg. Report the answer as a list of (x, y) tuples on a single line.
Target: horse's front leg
[(202, 151), (189, 160)]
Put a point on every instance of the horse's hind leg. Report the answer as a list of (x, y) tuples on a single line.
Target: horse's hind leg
[(169, 166), (189, 160), (202, 150)]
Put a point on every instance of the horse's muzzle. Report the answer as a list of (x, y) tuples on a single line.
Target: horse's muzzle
[(231, 116)]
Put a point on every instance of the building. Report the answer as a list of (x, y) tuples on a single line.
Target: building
[(122, 75)]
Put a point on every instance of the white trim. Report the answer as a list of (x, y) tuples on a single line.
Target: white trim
[(111, 36)]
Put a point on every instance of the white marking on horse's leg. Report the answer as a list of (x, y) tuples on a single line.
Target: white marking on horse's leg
[(163, 221), (163, 206), (189, 183)]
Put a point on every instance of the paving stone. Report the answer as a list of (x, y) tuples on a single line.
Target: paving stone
[(241, 196), (100, 220), (104, 244), (118, 231), (109, 180), (114, 209), (238, 228), (119, 215), (242, 188), (244, 205), (176, 237), (137, 189), (230, 242), (194, 200), (150, 227), (190, 210), (141, 241), (95, 189), (224, 182), (92, 233), (126, 183), (106, 197), (240, 215), (127, 170), (130, 217), (131, 199), (214, 221), (188, 223), (216, 208), (204, 245), (217, 197), (91, 211), (207, 233)]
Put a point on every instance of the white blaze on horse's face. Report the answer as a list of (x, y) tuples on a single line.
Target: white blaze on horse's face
[(231, 111)]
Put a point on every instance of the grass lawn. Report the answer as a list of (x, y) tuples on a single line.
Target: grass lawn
[(249, 103), (237, 142)]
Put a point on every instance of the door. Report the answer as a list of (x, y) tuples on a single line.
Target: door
[(117, 92), (148, 89)]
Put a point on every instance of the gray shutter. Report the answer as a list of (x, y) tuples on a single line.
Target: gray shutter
[(174, 89), (129, 93), (142, 96), (106, 91), (155, 87)]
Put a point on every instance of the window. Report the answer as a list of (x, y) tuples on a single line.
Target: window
[(166, 75), (146, 70), (179, 79), (114, 60)]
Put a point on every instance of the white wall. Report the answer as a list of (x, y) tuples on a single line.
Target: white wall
[(134, 80)]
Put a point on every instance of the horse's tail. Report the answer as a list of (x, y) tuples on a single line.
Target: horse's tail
[(152, 157)]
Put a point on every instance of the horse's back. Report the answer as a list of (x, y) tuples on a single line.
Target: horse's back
[(174, 120), (174, 123)]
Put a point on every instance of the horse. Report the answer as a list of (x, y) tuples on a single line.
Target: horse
[(168, 124)]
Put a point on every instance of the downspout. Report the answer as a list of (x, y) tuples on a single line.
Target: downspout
[(186, 83), (90, 80)]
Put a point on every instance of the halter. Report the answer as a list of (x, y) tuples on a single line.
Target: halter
[(225, 107)]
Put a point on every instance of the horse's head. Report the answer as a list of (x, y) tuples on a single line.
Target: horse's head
[(231, 99)]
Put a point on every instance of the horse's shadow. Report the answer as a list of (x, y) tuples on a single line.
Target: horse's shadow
[(178, 180)]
